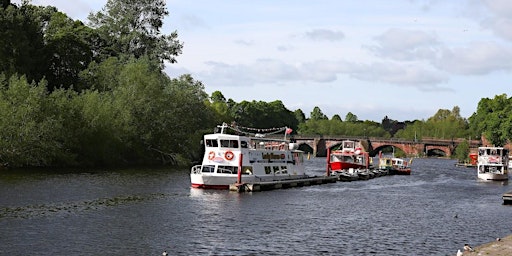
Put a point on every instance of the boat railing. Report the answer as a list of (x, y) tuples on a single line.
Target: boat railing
[(196, 169)]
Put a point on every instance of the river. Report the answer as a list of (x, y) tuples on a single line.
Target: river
[(434, 211)]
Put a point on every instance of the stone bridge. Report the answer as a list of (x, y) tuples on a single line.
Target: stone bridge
[(318, 145)]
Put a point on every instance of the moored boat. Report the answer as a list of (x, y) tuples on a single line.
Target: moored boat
[(492, 163), (395, 165), (350, 155), (232, 158)]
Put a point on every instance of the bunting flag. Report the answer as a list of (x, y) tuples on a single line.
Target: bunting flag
[(288, 130)]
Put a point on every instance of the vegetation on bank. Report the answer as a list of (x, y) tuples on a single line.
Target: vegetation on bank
[(96, 95)]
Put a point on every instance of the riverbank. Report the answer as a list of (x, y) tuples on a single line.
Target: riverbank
[(501, 247)]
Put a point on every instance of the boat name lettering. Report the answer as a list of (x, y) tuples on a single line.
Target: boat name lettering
[(270, 156)]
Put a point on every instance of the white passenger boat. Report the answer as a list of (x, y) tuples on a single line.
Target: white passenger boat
[(248, 158), (492, 163)]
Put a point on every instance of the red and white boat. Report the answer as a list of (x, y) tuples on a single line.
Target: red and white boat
[(492, 163), (350, 156), (231, 159)]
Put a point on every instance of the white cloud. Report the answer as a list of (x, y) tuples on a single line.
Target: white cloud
[(500, 20), (325, 34), (401, 44), (479, 58)]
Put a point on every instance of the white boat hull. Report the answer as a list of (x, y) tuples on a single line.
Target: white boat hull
[(219, 181), (492, 176)]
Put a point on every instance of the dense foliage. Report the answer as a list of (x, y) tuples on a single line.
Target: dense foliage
[(493, 119), (96, 95)]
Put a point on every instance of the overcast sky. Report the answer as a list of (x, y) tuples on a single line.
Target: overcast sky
[(404, 59)]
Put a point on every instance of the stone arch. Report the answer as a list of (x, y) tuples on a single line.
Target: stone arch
[(375, 151), (306, 148), (435, 152)]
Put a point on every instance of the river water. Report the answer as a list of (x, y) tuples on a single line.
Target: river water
[(435, 211)]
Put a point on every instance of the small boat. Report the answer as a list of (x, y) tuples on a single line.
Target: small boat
[(473, 159), (395, 165), (347, 175), (350, 155), (507, 198), (231, 158), (492, 163)]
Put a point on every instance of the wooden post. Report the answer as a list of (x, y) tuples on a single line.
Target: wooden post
[(367, 159), (327, 172), (239, 178)]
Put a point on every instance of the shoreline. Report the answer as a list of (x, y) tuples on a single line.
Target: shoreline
[(503, 247)]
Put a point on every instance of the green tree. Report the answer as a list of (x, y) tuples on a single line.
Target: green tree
[(462, 151), (336, 117), (493, 120), (22, 39), (217, 96), (351, 117), (68, 44), (317, 114), (30, 134), (300, 116), (128, 27), (263, 115)]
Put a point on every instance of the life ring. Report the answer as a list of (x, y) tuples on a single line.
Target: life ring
[(229, 155), (211, 155)]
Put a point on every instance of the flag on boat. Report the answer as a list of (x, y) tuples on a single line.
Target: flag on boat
[(288, 130)]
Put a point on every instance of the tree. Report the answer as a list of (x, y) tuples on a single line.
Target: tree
[(263, 115), (217, 96), (462, 151), (22, 39), (350, 117), (30, 132), (493, 119), (336, 117), (68, 44), (300, 116), (128, 27), (317, 114)]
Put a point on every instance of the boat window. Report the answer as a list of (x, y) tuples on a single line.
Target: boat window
[(283, 169), (208, 168), (247, 170), (276, 169), (211, 143), (268, 170), (229, 143), (243, 144), (227, 169)]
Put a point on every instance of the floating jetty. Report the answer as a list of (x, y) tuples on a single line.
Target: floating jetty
[(280, 184), (507, 198)]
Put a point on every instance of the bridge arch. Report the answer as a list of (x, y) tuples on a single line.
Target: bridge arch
[(306, 148), (386, 148)]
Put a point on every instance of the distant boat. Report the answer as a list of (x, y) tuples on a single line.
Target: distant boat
[(492, 163), (395, 165), (473, 160)]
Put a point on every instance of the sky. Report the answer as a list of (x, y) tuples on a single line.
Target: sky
[(404, 59)]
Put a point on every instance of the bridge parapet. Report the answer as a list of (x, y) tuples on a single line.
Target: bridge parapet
[(319, 144)]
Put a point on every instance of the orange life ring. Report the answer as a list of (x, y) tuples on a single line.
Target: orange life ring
[(211, 155), (229, 155)]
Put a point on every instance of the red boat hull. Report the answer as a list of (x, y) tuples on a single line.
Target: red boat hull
[(210, 186), (339, 166)]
